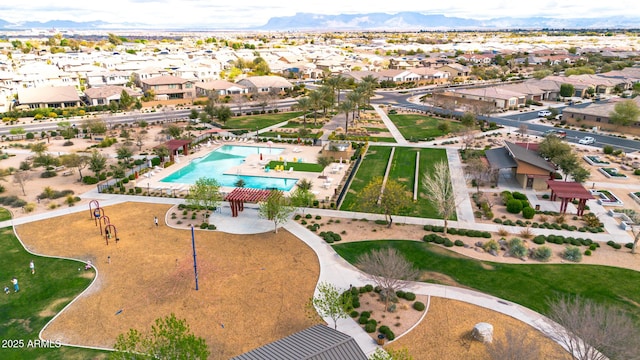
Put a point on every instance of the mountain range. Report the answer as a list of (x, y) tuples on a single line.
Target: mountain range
[(402, 21)]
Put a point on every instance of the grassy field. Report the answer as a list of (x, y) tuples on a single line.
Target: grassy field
[(4, 214), (527, 285), (403, 170), (309, 167), (414, 126), (251, 122), (373, 164), (43, 294)]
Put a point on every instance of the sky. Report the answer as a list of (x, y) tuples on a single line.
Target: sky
[(253, 13)]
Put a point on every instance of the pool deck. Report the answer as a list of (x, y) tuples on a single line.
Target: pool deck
[(253, 166)]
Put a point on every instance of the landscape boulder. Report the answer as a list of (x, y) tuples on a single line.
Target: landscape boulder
[(483, 332)]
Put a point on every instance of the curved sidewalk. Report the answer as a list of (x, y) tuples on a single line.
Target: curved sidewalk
[(339, 272)]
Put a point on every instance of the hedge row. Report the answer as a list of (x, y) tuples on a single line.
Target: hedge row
[(559, 239), (462, 232)]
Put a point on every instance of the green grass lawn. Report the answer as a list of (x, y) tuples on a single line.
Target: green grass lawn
[(413, 126), (403, 170), (4, 214), (20, 313), (300, 125), (373, 164), (530, 285), (309, 167), (251, 122)]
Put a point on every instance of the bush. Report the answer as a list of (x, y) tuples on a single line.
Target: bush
[(587, 252), (491, 245), (89, 180), (519, 196), (370, 327), (572, 253), (458, 243), (419, 306), (517, 248), (514, 206), (542, 253), (540, 239), (354, 314), (528, 212), (448, 243), (409, 296), (607, 149)]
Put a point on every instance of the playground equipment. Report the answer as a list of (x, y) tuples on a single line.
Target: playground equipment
[(110, 232)]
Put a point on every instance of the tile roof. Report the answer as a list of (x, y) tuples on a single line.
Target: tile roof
[(42, 95)]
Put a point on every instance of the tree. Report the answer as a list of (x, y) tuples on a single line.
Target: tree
[(94, 126), (324, 161), (635, 230), (140, 137), (346, 107), (388, 269), (75, 160), (468, 120), (592, 331), (440, 191), (390, 198), (17, 131), (169, 338), (97, 162), (566, 90), (567, 162), (39, 148), (552, 147), (66, 130), (301, 198), (126, 100), (625, 113), (162, 152), (21, 177), (304, 104), (124, 153), (478, 171), (580, 174), (330, 302), (174, 131), (276, 208), (205, 194), (317, 102), (223, 113)]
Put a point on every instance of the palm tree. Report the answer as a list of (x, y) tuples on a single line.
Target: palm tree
[(336, 83), (304, 104), (316, 98), (368, 85), (356, 97), (346, 107), (327, 98)]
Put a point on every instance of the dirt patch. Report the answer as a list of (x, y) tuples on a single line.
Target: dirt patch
[(439, 278), (245, 281), (444, 334)]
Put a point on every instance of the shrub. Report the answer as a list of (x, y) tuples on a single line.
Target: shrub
[(572, 253), (491, 245), (587, 252), (419, 306), (540, 239), (354, 314), (458, 243), (368, 288), (542, 253), (452, 231), (628, 245), (607, 149), (89, 180), (528, 212), (519, 196), (517, 248), (308, 216), (204, 225), (448, 243), (409, 296), (370, 327), (514, 206)]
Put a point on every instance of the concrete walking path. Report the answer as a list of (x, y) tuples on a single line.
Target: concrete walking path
[(390, 126)]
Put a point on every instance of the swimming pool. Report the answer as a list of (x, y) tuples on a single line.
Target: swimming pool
[(224, 158)]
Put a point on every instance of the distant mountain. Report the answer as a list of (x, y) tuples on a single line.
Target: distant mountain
[(418, 21), (368, 21)]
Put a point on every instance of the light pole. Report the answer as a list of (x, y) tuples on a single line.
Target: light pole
[(195, 263)]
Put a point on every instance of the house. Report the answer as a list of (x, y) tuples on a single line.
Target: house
[(399, 76), (599, 115), (168, 87), (219, 87), (265, 84), (501, 97), (49, 97), (104, 95), (318, 342), (526, 166), (457, 72), (431, 75)]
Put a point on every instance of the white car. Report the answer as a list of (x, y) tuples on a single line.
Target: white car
[(587, 140), (544, 113)]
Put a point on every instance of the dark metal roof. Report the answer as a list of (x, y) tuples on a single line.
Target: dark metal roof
[(318, 342), (500, 159), (530, 157)]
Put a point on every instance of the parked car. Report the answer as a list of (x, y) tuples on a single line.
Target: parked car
[(587, 140), (544, 113), (553, 132)]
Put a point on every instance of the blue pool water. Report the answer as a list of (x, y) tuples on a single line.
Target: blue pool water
[(221, 160)]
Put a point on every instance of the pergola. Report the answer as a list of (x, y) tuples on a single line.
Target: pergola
[(567, 191), (174, 145), (238, 196)]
